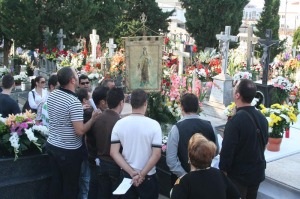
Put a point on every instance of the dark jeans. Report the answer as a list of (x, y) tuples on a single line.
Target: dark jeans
[(147, 190), (246, 192), (65, 165), (104, 180)]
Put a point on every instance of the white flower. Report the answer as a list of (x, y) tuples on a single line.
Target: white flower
[(287, 119), (165, 139), (14, 141), (30, 135), (254, 101), (42, 129)]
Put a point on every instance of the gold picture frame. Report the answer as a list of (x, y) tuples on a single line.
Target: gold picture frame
[(143, 57)]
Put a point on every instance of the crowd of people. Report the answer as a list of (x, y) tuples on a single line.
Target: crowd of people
[(92, 149)]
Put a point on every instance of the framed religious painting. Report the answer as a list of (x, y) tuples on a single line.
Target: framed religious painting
[(144, 63)]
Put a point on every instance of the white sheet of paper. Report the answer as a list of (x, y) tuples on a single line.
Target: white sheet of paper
[(123, 187)]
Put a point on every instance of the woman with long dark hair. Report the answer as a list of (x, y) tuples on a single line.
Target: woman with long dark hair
[(38, 94)]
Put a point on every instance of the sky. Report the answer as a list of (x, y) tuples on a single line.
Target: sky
[(259, 3)]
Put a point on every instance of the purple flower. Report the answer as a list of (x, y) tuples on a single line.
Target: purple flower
[(286, 56), (298, 57)]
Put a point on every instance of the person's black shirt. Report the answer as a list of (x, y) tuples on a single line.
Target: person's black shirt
[(8, 105)]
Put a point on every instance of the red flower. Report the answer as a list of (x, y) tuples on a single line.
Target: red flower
[(63, 52), (54, 50), (167, 40), (85, 52), (195, 48), (87, 67)]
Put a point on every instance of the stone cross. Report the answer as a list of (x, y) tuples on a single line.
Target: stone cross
[(265, 59), (250, 41), (225, 39), (111, 47), (181, 54), (61, 37), (94, 38)]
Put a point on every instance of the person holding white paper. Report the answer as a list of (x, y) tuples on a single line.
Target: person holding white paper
[(140, 138)]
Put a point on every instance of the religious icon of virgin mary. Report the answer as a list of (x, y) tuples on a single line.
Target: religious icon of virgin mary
[(144, 63)]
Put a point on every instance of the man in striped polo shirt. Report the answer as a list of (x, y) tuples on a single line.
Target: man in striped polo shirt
[(64, 144)]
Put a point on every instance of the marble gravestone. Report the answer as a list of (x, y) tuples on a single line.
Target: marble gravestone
[(181, 54), (221, 93)]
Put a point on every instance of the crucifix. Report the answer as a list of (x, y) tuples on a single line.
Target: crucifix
[(265, 59), (224, 39), (94, 41), (111, 47), (61, 37), (181, 54), (250, 39)]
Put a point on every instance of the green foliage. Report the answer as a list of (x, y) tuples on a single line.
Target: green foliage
[(158, 110), (296, 37), (205, 19), (270, 19)]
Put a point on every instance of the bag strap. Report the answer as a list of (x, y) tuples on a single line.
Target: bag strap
[(258, 131), (33, 95)]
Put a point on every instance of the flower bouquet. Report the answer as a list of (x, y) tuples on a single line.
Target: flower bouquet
[(282, 89), (19, 133), (118, 65), (279, 118), (3, 71), (22, 77), (241, 75)]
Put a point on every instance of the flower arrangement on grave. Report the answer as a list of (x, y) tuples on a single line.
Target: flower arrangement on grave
[(118, 64), (241, 75), (93, 73), (22, 77), (282, 89), (236, 61), (279, 118), (3, 71), (77, 60), (205, 57), (18, 133)]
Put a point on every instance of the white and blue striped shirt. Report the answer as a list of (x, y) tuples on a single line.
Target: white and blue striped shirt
[(64, 108)]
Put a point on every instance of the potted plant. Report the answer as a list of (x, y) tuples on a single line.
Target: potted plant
[(279, 118)]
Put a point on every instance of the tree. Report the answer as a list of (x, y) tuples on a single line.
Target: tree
[(205, 19), (130, 25), (296, 38), (269, 19)]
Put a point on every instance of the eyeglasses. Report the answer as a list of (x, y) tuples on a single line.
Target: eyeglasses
[(43, 82), (83, 83)]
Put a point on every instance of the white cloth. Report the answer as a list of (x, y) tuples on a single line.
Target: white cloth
[(137, 135), (34, 102)]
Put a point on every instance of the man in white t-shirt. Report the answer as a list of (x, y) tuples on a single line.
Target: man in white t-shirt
[(141, 139)]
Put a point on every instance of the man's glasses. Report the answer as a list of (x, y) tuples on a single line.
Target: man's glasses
[(83, 83)]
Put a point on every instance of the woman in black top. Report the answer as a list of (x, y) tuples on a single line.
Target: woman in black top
[(203, 181)]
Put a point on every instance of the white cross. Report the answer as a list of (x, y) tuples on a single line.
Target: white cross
[(60, 37), (225, 39), (94, 38), (111, 47), (181, 54), (250, 39)]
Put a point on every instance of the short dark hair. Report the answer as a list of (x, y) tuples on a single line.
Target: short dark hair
[(100, 93), (7, 81), (52, 81), (201, 151), (138, 98), (82, 93), (105, 82), (35, 80), (83, 76), (64, 75), (114, 97), (189, 103), (247, 89)]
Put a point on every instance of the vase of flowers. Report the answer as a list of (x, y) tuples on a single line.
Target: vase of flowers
[(241, 75), (281, 90), (279, 118)]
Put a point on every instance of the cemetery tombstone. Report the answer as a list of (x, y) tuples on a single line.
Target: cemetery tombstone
[(111, 47), (94, 41), (61, 37), (264, 90), (250, 47), (221, 93), (181, 54)]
